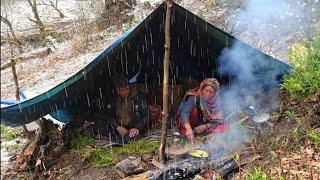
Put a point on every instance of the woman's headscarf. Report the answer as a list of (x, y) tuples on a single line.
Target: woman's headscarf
[(210, 105)]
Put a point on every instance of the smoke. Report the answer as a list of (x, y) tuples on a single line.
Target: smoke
[(262, 22), (273, 26), (227, 143)]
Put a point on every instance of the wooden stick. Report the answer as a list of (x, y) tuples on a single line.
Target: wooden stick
[(166, 63)]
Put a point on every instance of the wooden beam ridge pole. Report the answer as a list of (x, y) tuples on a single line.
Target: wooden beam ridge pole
[(165, 98)]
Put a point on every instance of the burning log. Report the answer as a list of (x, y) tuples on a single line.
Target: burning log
[(188, 169)]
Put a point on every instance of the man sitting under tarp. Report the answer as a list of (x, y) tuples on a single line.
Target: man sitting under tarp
[(126, 118)]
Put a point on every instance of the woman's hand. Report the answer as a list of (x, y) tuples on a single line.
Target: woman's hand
[(189, 134), (189, 131), (133, 132), (201, 128), (122, 130), (216, 116)]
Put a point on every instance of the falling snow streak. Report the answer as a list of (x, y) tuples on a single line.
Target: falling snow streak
[(108, 66), (121, 60), (126, 56), (88, 100)]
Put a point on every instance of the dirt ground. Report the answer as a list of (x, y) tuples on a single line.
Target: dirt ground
[(69, 166), (286, 151)]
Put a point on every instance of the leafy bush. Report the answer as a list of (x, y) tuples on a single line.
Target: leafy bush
[(305, 78), (213, 3), (314, 136), (60, 39), (8, 133), (257, 173)]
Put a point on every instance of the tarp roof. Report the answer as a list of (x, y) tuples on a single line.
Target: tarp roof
[(195, 48)]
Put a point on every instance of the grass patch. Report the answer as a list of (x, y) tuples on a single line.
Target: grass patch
[(80, 142), (103, 157), (305, 78), (8, 133), (106, 157), (82, 146)]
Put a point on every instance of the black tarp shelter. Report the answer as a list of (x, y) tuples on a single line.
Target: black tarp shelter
[(196, 47)]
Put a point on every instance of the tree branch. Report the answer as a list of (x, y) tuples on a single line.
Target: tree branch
[(32, 20), (10, 41), (8, 23), (55, 6)]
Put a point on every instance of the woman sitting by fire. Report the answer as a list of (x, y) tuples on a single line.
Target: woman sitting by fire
[(199, 111)]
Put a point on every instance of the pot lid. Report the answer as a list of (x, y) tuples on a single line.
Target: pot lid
[(261, 118)]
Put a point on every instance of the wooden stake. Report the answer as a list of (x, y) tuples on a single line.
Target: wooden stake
[(15, 77), (165, 99), (14, 73)]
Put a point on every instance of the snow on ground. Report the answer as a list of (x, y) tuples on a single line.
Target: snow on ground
[(40, 75), (18, 11), (9, 149)]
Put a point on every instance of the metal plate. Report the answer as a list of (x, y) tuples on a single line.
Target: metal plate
[(198, 153)]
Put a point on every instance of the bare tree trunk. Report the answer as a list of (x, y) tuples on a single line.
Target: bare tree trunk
[(55, 6), (166, 63), (8, 23), (37, 20)]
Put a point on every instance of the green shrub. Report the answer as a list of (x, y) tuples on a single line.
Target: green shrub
[(213, 3), (257, 173), (305, 78), (8, 133), (60, 39), (314, 136)]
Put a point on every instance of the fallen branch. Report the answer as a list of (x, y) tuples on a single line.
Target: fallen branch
[(21, 59), (42, 151), (281, 110)]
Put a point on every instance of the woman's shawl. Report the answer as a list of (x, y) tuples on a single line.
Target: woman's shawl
[(210, 106)]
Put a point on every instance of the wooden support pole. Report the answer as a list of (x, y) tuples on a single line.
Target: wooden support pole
[(165, 99), (14, 72), (15, 77)]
